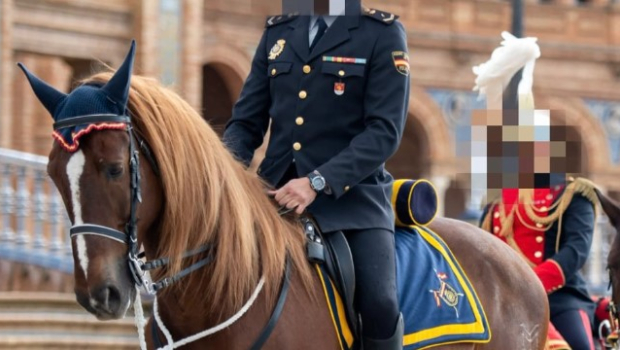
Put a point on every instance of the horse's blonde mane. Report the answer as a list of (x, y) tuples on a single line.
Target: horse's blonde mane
[(211, 198)]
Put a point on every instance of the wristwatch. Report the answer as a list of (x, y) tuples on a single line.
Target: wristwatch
[(317, 181)]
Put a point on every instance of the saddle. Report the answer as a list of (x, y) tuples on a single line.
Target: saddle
[(414, 203), (331, 250)]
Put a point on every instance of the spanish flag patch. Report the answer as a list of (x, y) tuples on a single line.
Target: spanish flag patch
[(401, 62)]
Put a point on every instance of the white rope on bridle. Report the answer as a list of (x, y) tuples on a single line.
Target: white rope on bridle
[(140, 321)]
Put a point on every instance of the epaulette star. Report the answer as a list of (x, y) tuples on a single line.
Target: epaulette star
[(383, 17), (275, 20)]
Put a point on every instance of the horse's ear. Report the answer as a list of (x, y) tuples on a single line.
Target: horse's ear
[(49, 97), (610, 207), (118, 87)]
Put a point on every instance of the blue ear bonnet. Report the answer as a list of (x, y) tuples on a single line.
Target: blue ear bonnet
[(88, 107)]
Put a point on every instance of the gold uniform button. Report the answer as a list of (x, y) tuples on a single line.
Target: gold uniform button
[(307, 69), (538, 254), (297, 146), (341, 73), (539, 239), (346, 188), (303, 94), (496, 214), (496, 229), (543, 208), (274, 71), (299, 121), (549, 197)]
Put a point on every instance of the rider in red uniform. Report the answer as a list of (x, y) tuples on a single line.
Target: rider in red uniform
[(552, 228)]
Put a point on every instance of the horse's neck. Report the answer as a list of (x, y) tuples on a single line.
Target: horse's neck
[(183, 319), (301, 308)]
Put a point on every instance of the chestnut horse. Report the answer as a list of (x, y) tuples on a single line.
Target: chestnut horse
[(160, 178)]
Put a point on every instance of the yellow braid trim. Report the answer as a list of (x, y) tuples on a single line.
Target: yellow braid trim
[(579, 185)]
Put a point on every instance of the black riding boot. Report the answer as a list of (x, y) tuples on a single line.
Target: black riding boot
[(395, 342)]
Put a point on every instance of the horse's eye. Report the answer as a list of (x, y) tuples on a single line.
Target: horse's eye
[(115, 171)]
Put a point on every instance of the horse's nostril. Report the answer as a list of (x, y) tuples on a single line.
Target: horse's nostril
[(109, 298)]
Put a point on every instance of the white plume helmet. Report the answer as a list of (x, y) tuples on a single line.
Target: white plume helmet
[(494, 75)]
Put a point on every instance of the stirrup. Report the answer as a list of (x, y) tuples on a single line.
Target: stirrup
[(395, 342)]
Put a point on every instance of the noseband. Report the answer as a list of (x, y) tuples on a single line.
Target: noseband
[(137, 266)]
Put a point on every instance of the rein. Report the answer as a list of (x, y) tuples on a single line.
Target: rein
[(139, 268)]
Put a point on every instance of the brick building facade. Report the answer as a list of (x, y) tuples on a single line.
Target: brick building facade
[(204, 49)]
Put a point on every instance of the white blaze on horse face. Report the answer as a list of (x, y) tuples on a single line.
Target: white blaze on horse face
[(75, 168)]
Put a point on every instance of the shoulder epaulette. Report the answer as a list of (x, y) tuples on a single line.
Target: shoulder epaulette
[(574, 186), (584, 187), (383, 17), (275, 20)]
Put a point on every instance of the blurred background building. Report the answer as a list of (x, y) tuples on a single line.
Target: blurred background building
[(204, 48)]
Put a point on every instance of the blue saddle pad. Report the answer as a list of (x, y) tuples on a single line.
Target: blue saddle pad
[(438, 302)]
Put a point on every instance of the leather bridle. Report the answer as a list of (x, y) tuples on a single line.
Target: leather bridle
[(137, 266)]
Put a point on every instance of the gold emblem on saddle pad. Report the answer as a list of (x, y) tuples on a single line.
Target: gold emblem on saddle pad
[(277, 49), (446, 293)]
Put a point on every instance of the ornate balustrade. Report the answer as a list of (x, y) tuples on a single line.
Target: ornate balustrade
[(33, 221)]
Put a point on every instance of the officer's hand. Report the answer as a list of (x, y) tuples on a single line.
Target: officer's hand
[(296, 193)]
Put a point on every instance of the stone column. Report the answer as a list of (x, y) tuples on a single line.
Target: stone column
[(147, 32), (441, 183), (58, 74), (192, 52), (24, 103), (31, 124), (6, 71), (169, 62)]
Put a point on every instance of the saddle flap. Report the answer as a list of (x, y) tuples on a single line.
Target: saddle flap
[(339, 265)]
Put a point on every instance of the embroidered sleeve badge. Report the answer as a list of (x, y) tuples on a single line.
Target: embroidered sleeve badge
[(401, 61), (277, 49)]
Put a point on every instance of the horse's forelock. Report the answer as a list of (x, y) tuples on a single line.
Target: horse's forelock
[(210, 198)]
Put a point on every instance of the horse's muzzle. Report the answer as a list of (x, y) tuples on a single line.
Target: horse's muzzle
[(105, 302)]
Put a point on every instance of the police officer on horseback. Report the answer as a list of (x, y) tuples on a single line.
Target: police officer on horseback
[(334, 81)]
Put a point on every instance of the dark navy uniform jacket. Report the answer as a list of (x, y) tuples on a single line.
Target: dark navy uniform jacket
[(562, 279), (339, 109)]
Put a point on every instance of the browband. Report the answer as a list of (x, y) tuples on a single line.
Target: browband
[(88, 119)]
